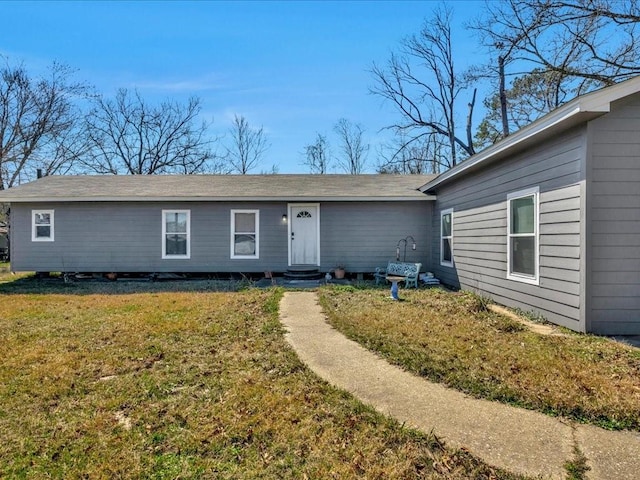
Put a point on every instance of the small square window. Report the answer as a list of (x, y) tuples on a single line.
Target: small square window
[(42, 225)]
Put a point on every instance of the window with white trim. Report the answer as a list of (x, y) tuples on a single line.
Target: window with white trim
[(446, 237), (42, 225), (176, 234), (522, 235), (245, 229)]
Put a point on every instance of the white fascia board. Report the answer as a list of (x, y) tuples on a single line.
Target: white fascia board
[(601, 100), (412, 198), (597, 103), (510, 142)]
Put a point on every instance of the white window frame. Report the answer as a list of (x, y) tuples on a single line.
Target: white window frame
[(164, 235), (34, 230), (233, 232), (521, 277), (443, 262)]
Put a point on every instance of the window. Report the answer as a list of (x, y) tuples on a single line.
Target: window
[(176, 236), (522, 233), (42, 225), (446, 238), (244, 233)]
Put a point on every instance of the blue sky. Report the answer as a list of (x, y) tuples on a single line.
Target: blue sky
[(292, 67)]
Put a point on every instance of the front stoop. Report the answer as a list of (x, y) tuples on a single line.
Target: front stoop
[(303, 273)]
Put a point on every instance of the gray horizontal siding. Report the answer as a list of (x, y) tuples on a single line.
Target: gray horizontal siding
[(127, 237), (480, 229), (614, 220), (551, 166), (364, 235)]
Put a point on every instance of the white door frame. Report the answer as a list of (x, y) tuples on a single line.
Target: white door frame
[(290, 208)]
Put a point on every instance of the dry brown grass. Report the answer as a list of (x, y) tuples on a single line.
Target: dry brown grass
[(7, 276), (450, 338), (98, 382)]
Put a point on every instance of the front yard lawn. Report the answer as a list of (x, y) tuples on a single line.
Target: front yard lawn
[(104, 381), (451, 338), (6, 274)]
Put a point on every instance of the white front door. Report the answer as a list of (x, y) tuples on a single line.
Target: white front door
[(304, 234)]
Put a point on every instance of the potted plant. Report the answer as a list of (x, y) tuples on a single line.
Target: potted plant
[(339, 271)]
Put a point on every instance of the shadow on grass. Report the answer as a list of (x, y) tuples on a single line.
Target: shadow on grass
[(57, 285), (34, 285)]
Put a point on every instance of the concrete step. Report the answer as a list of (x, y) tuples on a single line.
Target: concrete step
[(303, 273)]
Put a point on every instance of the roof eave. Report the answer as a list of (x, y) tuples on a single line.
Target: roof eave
[(579, 110), (76, 199), (517, 140)]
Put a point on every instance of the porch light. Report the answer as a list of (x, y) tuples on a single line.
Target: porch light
[(284, 218)]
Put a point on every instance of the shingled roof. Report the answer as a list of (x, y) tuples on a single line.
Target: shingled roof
[(138, 188)]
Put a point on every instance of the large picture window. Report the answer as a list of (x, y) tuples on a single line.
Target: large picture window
[(245, 233), (446, 237), (42, 225), (176, 234), (522, 228)]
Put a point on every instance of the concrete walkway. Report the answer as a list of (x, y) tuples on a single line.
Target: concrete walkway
[(515, 439)]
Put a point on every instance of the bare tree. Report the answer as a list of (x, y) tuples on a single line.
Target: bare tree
[(317, 155), (274, 170), (129, 136), (37, 116), (560, 48), (248, 145), (354, 149), (427, 156), (424, 86)]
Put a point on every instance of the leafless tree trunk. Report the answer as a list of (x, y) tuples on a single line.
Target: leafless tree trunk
[(469, 128), (426, 99), (128, 136), (503, 97), (248, 145), (354, 149), (317, 155), (36, 118)]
